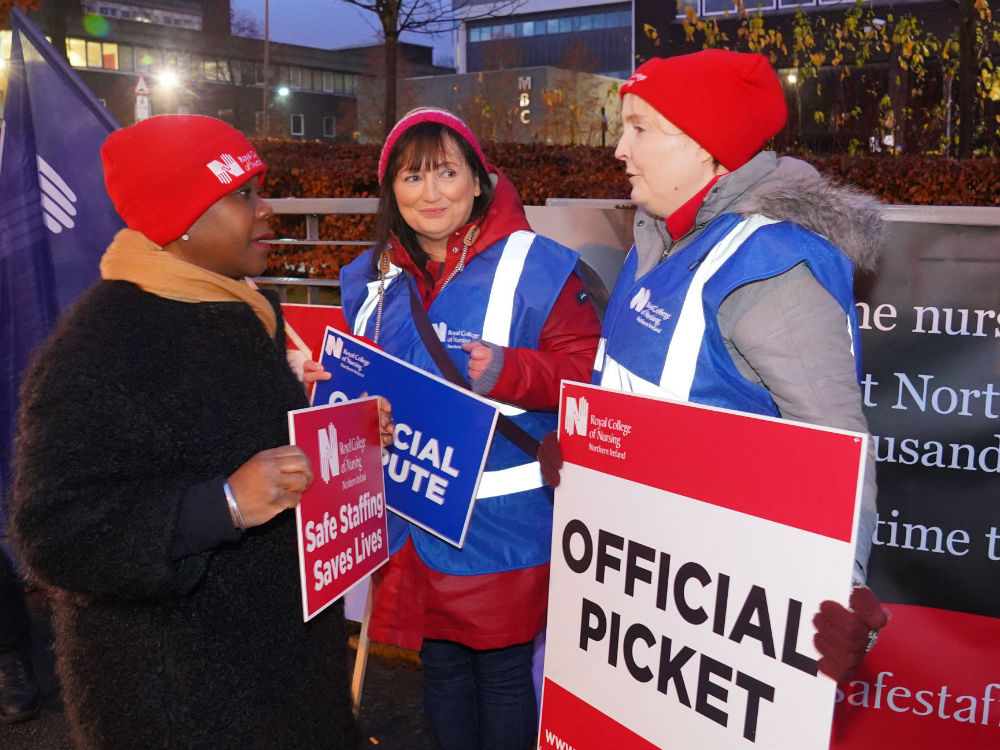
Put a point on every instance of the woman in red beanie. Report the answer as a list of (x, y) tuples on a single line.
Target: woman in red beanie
[(154, 474), (452, 232), (749, 261)]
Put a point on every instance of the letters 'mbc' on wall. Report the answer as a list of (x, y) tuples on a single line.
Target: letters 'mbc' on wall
[(931, 384)]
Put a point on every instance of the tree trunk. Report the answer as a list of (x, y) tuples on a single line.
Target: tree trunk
[(391, 53), (56, 12), (967, 75)]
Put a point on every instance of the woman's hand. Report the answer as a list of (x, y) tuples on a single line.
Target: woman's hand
[(270, 482), (479, 357), (386, 427), (313, 372), (844, 636)]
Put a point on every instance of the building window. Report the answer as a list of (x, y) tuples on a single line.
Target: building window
[(329, 127), (109, 56), (295, 77), (328, 81), (298, 125), (145, 59), (76, 51), (125, 60), (94, 55)]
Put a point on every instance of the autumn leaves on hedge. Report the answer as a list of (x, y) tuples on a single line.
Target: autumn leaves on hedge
[(349, 170)]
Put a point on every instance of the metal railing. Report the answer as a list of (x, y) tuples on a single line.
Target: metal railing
[(316, 291)]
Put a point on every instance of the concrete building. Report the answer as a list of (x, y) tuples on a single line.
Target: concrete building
[(585, 35), (183, 54), (525, 105)]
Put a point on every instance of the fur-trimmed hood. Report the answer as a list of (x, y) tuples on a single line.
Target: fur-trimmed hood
[(785, 189)]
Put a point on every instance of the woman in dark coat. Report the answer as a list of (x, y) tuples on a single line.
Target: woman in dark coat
[(154, 474)]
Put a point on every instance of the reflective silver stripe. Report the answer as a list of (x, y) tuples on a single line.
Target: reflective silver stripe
[(618, 378), (682, 355), (599, 359), (370, 305), (507, 481), (499, 310), (506, 409)]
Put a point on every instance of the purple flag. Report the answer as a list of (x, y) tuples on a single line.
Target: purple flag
[(55, 216)]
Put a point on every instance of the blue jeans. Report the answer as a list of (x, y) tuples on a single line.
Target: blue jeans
[(479, 698)]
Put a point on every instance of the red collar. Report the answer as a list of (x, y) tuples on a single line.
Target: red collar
[(681, 221)]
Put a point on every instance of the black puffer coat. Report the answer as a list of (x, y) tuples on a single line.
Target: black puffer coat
[(134, 401)]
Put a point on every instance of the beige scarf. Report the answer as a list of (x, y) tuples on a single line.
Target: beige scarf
[(134, 257)]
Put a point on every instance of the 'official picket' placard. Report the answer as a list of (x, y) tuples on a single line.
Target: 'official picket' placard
[(691, 548)]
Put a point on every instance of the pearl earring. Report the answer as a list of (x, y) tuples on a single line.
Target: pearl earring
[(185, 237)]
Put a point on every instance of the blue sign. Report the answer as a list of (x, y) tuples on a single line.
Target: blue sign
[(443, 433)]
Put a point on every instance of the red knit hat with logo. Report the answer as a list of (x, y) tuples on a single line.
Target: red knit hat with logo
[(165, 172), (730, 103), (426, 114)]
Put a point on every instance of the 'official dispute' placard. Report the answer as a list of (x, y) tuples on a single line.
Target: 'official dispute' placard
[(442, 436)]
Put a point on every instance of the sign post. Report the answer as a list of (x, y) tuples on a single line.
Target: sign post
[(142, 108)]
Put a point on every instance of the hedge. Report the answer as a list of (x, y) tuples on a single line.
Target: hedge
[(350, 170)]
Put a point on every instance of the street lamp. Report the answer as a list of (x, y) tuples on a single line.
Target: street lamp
[(267, 55), (167, 79)]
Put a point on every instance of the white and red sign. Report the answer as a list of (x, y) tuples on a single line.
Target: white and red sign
[(342, 517), (691, 547)]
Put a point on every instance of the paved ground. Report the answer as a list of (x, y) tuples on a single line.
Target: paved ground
[(391, 709)]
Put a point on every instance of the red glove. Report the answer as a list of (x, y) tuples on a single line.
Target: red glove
[(550, 458), (844, 636)]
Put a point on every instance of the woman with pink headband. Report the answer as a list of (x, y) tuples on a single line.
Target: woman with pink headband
[(453, 248)]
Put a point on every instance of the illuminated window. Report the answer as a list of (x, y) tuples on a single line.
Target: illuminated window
[(76, 50), (109, 56), (94, 55)]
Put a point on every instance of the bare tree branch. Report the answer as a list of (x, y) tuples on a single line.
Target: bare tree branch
[(421, 17)]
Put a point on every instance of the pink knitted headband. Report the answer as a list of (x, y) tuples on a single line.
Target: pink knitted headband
[(425, 114)]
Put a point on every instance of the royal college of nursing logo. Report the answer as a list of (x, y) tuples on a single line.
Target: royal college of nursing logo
[(334, 346), (329, 453), (226, 169), (441, 329), (577, 414), (640, 300)]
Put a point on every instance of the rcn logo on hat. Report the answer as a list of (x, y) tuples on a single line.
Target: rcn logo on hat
[(226, 169)]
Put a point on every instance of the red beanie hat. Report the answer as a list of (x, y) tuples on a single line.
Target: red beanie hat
[(165, 172), (426, 114), (730, 103)]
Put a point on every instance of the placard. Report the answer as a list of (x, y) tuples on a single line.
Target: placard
[(691, 548), (441, 440), (341, 520)]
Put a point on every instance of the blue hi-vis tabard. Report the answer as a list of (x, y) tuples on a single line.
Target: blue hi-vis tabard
[(661, 333), (503, 296)]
